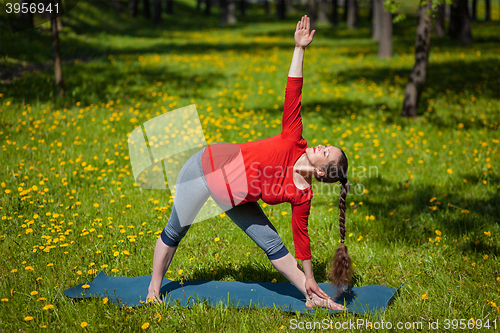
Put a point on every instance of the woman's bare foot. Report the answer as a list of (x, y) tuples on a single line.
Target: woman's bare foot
[(317, 301), (153, 297)]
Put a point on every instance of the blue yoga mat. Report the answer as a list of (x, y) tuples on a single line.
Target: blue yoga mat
[(132, 291)]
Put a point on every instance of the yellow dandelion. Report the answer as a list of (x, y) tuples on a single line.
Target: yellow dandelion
[(86, 286), (48, 307), (359, 238), (180, 271), (105, 300), (96, 205), (13, 270), (274, 280), (216, 239), (485, 256), (29, 268), (28, 318), (83, 324), (114, 270), (40, 299), (34, 292), (438, 232), (284, 213), (424, 296), (145, 326), (487, 233), (5, 299), (449, 171)]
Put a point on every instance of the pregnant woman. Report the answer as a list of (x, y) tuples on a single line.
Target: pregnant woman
[(278, 169)]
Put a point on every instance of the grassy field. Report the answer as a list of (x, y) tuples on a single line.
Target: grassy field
[(424, 210)]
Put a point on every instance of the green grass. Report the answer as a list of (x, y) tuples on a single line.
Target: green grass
[(428, 217)]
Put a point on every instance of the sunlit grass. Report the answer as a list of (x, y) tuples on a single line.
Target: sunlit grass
[(423, 210)]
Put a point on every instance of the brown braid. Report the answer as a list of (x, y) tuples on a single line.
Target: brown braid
[(341, 270)]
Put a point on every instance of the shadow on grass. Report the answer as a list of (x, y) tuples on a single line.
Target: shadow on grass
[(255, 271), (412, 218), (100, 81)]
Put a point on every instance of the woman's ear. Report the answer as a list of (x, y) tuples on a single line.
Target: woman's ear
[(319, 172)]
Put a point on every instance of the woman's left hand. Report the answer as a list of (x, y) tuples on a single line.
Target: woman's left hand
[(312, 287), (302, 35)]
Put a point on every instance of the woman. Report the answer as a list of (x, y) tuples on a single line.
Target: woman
[(276, 170)]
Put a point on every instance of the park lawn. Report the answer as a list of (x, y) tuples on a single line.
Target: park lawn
[(423, 209)]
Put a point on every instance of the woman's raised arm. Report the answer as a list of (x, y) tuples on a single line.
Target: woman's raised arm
[(302, 39)]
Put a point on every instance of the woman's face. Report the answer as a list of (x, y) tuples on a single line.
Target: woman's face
[(320, 155)]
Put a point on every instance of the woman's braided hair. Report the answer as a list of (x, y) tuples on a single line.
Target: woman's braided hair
[(336, 171)]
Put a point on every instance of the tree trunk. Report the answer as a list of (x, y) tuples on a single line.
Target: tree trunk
[(231, 12), (58, 20), (266, 7), (385, 44), (460, 22), (370, 13), (169, 7), (474, 10), (464, 23), (133, 7), (280, 9), (352, 14), (439, 27), (26, 18), (454, 24), (243, 7), (335, 13), (416, 81), (346, 9), (157, 16), (208, 4), (56, 52), (198, 5), (312, 11), (223, 12), (322, 12), (290, 9), (146, 9), (378, 8), (117, 6), (487, 15)]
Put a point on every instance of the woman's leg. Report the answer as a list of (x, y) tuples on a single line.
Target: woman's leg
[(191, 194), (252, 220)]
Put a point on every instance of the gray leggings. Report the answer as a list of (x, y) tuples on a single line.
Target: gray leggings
[(191, 194)]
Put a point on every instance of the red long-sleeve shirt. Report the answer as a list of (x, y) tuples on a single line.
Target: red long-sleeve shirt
[(263, 169)]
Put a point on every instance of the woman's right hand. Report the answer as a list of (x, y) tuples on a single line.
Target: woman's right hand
[(302, 36)]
